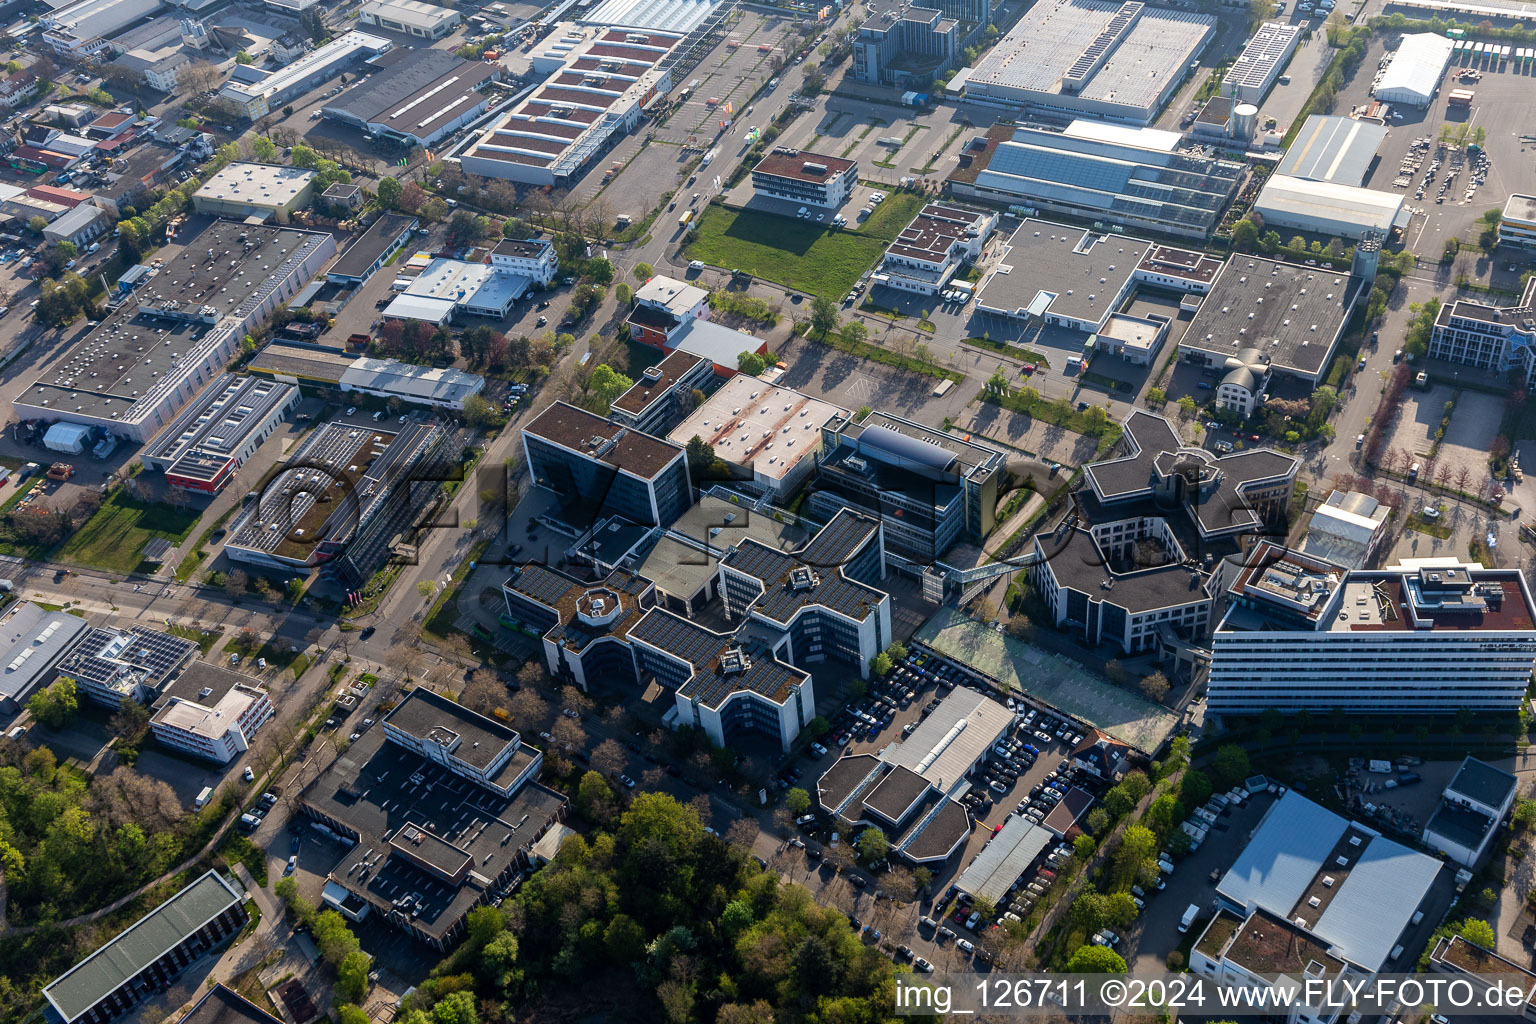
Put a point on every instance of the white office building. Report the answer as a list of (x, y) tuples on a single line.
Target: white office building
[(1471, 811), (214, 730), (1413, 638)]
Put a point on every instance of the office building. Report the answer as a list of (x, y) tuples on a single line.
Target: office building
[(663, 394), (1149, 545), (449, 287), (769, 437), (910, 790), (1412, 638), (346, 492), (932, 249), (533, 258), (594, 466), (1483, 968), (145, 958), (1518, 225), (372, 249), (598, 81), (420, 98), (83, 29), (439, 808), (674, 316), (789, 610), (1107, 60), (1472, 810), (409, 17), (175, 332), (33, 641), (902, 42), (1264, 56), (1123, 179), (1347, 529), (210, 713), (1292, 314), (257, 92), (438, 387), (223, 1005), (1415, 69), (1313, 895), (1498, 339), (242, 190), (208, 442), (109, 664), (929, 488), (809, 179)]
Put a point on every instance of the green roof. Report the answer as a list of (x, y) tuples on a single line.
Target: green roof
[(141, 944)]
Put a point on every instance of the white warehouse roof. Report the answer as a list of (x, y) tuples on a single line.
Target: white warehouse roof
[(1326, 206), (1415, 69)]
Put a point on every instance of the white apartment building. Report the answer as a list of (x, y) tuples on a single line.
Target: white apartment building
[(796, 176), (533, 258), (219, 732), (932, 249), (1418, 637), (1518, 225), (1493, 338)]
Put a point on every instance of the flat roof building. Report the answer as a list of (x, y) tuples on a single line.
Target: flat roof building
[(242, 190), (143, 959), (1062, 276), (441, 807), (800, 176), (1264, 56), (1471, 812), (264, 91), (409, 17), (1151, 542), (33, 641), (932, 249), (769, 436), (1122, 178), (1292, 314), (372, 249), (1407, 639), (1518, 225), (441, 387), (1347, 529), (110, 663), (662, 394), (176, 331), (1415, 70), (218, 721), (204, 446), (1498, 339), (1071, 58), (448, 287), (84, 28), (1327, 208), (422, 97), (668, 15), (599, 80), (1336, 149), (223, 1005), (902, 42)]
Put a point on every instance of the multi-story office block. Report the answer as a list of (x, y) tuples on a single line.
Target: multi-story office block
[(1414, 638), (798, 176), (582, 458), (1499, 339), (1518, 225), (902, 42)]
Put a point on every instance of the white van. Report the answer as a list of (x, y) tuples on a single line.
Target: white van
[(203, 797)]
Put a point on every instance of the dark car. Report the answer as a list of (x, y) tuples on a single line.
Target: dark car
[(367, 632)]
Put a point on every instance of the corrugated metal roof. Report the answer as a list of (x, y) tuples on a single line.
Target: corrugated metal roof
[(1004, 859), (1375, 902), (1285, 852)]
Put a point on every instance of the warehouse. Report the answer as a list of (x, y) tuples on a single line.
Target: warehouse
[(440, 387), (242, 190), (369, 251), (670, 15), (177, 330), (1127, 178), (1326, 208), (1070, 58), (419, 99), (599, 82), (83, 28), (1415, 70), (1262, 60), (214, 436), (409, 17), (447, 287), (257, 92), (1336, 149)]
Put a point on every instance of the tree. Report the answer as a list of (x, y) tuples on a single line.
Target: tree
[(643, 271), (823, 316), (1156, 686), (1479, 933), (1156, 397), (854, 333), (1229, 765), (349, 1014), (799, 801), (37, 224), (873, 845), (390, 191), (334, 938), (607, 384), (57, 705), (751, 363), (235, 583), (352, 976), (1525, 814), (527, 709), (1095, 960), (456, 1008), (594, 797), (609, 758), (1245, 235)]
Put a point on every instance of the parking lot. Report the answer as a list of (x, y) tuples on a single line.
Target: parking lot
[(1474, 422)]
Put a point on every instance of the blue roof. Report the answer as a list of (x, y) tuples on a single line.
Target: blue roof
[(906, 448), (1376, 902)]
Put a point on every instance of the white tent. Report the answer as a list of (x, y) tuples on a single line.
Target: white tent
[(1415, 70), (67, 437)]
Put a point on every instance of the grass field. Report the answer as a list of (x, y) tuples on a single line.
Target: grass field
[(115, 536), (803, 255)]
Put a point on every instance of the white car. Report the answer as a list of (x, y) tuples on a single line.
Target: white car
[(629, 783), (966, 946), (250, 774), (1430, 512)]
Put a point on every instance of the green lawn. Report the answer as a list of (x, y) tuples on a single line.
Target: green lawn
[(115, 536), (204, 638), (803, 255)]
